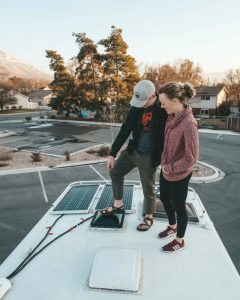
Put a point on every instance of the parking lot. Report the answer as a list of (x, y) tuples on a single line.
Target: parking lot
[(54, 138), (22, 202)]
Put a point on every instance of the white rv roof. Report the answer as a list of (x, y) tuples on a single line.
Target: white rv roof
[(73, 266)]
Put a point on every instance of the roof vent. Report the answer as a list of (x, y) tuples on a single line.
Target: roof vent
[(107, 221), (116, 269)]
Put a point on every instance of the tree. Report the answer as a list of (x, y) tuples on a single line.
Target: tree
[(63, 85), (181, 70), (233, 84), (6, 98), (89, 65), (187, 72), (120, 70), (224, 109)]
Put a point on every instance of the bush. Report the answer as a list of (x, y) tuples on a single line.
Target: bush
[(13, 107), (36, 157), (5, 157), (67, 155), (28, 118), (104, 151), (3, 165)]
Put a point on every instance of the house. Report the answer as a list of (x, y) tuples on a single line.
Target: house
[(207, 100), (234, 103), (42, 96), (22, 101)]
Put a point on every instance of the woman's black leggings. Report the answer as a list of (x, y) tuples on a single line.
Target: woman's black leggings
[(173, 195)]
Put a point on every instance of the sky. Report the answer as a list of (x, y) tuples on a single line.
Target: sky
[(156, 31)]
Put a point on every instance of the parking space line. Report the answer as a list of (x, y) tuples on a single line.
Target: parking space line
[(12, 228), (43, 188), (98, 173), (14, 140)]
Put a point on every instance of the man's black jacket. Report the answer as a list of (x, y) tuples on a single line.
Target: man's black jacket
[(133, 124)]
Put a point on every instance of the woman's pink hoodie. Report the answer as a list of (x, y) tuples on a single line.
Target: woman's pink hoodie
[(181, 145)]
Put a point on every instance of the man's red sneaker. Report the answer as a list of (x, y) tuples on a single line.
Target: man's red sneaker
[(169, 231), (173, 246)]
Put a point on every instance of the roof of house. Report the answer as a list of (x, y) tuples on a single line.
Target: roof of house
[(15, 92), (209, 90), (40, 93)]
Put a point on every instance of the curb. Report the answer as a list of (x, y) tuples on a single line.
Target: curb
[(23, 171), (217, 176), (82, 122), (36, 169), (87, 162)]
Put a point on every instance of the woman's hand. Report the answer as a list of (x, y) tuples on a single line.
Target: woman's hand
[(110, 163)]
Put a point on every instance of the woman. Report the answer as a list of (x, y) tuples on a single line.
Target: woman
[(178, 158)]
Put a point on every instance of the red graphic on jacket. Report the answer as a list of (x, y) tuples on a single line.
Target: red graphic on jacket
[(146, 121)]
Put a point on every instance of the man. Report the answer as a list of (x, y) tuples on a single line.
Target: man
[(146, 121)]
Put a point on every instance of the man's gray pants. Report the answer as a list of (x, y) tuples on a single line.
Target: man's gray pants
[(123, 165)]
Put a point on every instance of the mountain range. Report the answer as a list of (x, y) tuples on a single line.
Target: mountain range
[(12, 66)]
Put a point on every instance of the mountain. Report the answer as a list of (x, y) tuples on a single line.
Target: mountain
[(12, 66)]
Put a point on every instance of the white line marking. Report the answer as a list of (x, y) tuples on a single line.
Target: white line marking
[(12, 228), (43, 188), (219, 136), (98, 173), (14, 141)]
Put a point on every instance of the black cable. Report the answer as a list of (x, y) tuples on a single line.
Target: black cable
[(42, 240), (28, 258)]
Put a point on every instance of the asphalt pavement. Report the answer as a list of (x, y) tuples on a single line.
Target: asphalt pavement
[(22, 202)]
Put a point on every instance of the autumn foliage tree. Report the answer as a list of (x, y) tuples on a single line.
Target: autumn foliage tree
[(181, 70), (232, 82)]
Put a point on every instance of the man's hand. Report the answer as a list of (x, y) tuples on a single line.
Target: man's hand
[(110, 163)]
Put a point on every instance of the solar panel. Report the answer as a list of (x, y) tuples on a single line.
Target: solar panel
[(161, 214), (106, 198), (77, 200)]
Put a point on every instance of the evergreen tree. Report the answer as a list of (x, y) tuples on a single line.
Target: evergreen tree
[(6, 98), (224, 109), (120, 71), (63, 85), (89, 67)]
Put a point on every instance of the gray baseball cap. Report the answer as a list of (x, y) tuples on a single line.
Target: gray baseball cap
[(143, 90)]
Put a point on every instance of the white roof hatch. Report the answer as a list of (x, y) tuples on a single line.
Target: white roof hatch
[(116, 269)]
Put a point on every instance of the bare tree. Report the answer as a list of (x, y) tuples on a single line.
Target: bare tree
[(233, 84), (181, 70)]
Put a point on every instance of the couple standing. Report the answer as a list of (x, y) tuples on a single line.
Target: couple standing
[(164, 131)]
